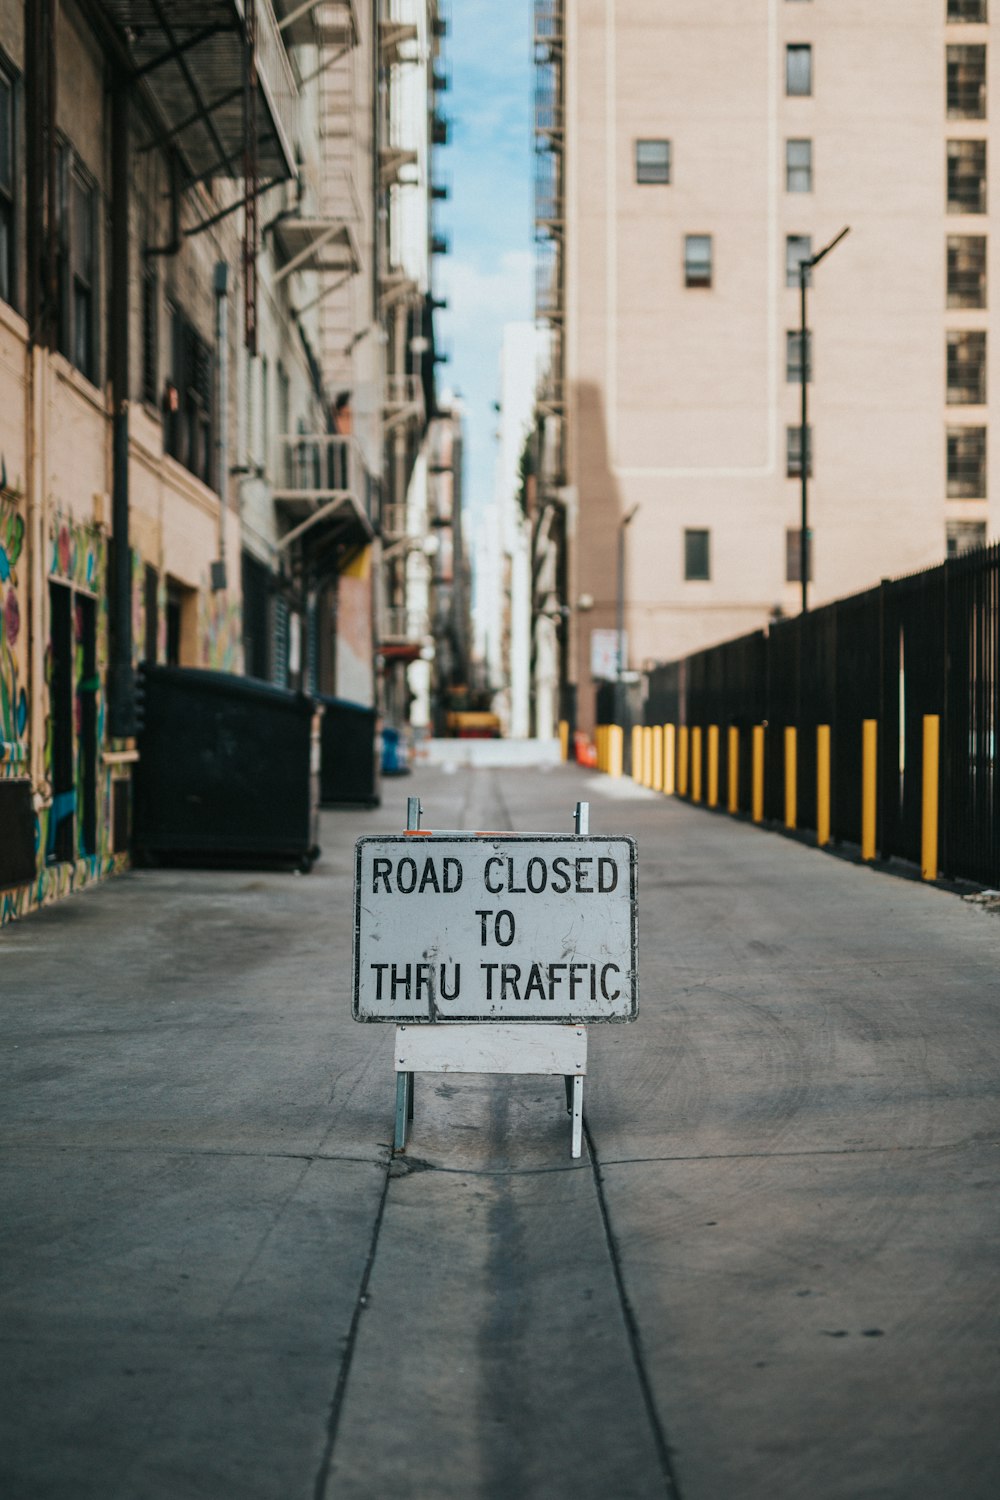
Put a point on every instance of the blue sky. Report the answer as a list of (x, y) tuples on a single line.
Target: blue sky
[(488, 277)]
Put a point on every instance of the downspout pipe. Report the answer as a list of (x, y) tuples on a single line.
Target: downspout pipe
[(221, 286), (121, 683)]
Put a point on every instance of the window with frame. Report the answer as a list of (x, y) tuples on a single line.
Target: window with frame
[(798, 69), (798, 247), (793, 555), (967, 10), (793, 356), (964, 536), (965, 74), (966, 270), (799, 166), (652, 161), (793, 452), (189, 399), (8, 170), (78, 274), (698, 260), (697, 556), (150, 331), (966, 367), (966, 177), (966, 463)]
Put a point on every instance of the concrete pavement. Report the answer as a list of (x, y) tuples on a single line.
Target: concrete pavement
[(774, 1273)]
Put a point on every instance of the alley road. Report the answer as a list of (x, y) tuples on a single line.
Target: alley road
[(773, 1275)]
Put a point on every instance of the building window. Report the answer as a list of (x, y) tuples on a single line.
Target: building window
[(798, 69), (78, 223), (150, 331), (966, 177), (793, 555), (798, 247), (965, 72), (966, 463), (966, 270), (698, 260), (964, 536), (967, 367), (189, 399), (696, 556), (652, 161), (793, 356), (793, 452), (967, 10), (799, 166), (7, 179)]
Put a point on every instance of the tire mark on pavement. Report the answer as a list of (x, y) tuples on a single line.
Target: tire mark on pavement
[(670, 1485), (340, 1390)]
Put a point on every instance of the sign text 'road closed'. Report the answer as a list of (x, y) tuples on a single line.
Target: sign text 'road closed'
[(535, 927)]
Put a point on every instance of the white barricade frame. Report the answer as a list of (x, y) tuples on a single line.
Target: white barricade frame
[(512, 1038)]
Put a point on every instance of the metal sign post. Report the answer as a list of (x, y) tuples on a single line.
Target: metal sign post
[(492, 952)]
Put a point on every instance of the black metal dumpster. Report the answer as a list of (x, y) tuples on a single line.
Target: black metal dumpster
[(349, 764), (227, 771)]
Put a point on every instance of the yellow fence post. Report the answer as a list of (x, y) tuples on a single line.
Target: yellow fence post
[(669, 758), (713, 765), (657, 734), (929, 820), (758, 774), (599, 737), (822, 784), (647, 755), (616, 750), (564, 739), (696, 763), (791, 776), (683, 740), (637, 752), (733, 769), (869, 777)]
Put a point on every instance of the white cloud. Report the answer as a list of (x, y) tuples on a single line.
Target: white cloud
[(481, 299)]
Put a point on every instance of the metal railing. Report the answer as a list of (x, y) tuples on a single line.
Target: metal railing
[(316, 466), (402, 622), (394, 520), (404, 391), (868, 671), (275, 76)]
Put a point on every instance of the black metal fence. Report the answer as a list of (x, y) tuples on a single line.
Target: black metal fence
[(925, 644)]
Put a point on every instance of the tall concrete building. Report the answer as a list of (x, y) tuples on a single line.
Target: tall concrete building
[(689, 156)]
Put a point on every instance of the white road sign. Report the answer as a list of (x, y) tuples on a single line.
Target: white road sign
[(496, 927)]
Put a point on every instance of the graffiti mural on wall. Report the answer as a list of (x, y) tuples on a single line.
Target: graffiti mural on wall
[(13, 642), (220, 631), (77, 557)]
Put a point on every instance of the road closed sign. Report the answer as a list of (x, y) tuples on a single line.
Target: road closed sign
[(495, 927)]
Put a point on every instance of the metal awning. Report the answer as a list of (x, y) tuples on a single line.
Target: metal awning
[(191, 56), (315, 245)]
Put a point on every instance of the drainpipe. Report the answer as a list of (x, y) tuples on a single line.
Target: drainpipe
[(221, 415), (121, 685)]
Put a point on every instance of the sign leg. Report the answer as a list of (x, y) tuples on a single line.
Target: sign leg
[(409, 1095), (577, 1146), (402, 1101)]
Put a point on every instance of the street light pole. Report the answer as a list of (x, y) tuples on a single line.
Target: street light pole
[(805, 266), (620, 614)]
